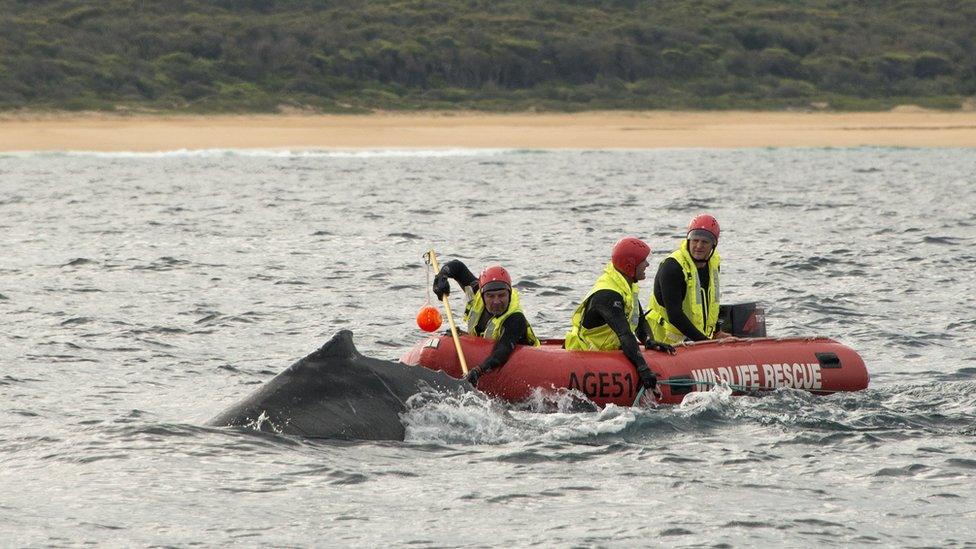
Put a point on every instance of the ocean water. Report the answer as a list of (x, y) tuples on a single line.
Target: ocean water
[(141, 294)]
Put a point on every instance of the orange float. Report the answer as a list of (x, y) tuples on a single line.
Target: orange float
[(428, 318)]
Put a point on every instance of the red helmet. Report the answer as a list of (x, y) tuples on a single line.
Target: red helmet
[(704, 222), (628, 253), (495, 278)]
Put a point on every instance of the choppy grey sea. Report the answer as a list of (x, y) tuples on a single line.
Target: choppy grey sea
[(141, 294)]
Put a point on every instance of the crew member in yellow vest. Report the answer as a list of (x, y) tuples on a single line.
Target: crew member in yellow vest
[(610, 316), (492, 311), (684, 304)]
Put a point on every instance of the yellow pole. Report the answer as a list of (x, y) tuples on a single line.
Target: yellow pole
[(432, 258)]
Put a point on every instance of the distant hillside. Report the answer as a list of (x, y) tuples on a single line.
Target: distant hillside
[(344, 55)]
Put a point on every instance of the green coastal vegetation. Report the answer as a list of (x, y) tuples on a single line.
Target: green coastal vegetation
[(498, 55)]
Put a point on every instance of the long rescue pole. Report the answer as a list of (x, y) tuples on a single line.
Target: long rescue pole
[(431, 258)]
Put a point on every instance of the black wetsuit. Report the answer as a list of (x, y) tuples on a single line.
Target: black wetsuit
[(514, 330), (669, 291), (607, 307)]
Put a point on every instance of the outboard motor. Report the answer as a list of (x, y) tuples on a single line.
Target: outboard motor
[(742, 319)]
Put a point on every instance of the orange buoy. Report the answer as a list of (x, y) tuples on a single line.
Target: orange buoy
[(429, 318)]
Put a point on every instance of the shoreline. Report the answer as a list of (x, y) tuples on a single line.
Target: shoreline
[(101, 132)]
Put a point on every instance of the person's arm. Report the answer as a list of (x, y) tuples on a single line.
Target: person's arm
[(673, 290), (459, 272), (608, 305), (513, 331)]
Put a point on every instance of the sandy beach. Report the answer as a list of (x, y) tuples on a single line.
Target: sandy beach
[(906, 127)]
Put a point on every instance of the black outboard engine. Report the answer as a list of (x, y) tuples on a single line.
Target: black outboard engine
[(742, 319)]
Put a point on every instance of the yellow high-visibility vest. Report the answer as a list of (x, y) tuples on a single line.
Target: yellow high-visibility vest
[(494, 327), (695, 295), (603, 338)]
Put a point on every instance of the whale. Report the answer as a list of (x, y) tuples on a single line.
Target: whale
[(337, 393)]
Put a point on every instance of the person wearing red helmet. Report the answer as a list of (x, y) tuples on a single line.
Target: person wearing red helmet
[(610, 317), (685, 301), (492, 311)]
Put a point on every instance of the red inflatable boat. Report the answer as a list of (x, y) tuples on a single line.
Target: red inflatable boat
[(819, 365)]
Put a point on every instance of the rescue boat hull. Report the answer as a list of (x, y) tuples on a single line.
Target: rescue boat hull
[(818, 365)]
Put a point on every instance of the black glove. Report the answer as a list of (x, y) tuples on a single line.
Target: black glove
[(647, 378), (652, 345), (473, 375), (441, 285)]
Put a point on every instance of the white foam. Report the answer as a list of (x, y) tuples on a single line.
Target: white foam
[(473, 418), (719, 398)]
